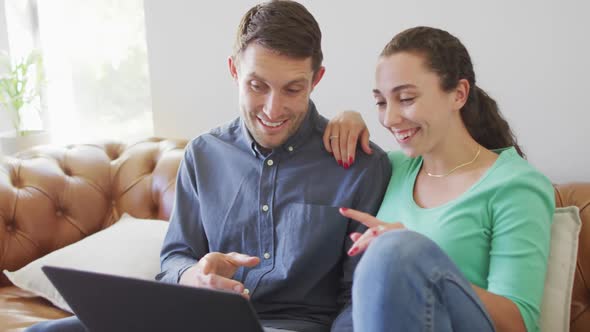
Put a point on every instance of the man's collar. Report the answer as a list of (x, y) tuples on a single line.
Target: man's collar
[(248, 138), (303, 132), (293, 142)]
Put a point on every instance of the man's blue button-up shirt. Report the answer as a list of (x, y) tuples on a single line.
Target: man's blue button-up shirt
[(281, 207)]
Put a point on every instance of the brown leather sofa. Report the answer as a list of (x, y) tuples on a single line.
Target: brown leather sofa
[(53, 196)]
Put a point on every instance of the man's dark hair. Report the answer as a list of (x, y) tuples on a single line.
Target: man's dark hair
[(283, 26)]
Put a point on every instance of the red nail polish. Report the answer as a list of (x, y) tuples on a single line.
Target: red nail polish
[(350, 160), (346, 166), (375, 232), (340, 162), (353, 251), (344, 209)]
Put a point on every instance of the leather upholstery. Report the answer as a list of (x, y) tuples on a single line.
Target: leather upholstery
[(20, 309), (53, 196)]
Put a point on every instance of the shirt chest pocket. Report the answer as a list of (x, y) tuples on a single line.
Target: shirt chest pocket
[(316, 229)]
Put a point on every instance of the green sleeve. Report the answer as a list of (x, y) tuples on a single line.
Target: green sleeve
[(396, 157), (522, 211)]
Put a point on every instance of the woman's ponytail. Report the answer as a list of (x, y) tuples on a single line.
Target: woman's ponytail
[(485, 122)]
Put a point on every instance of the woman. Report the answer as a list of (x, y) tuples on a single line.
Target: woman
[(462, 237)]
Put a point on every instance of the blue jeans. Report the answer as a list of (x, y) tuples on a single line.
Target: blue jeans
[(68, 324), (405, 282), (73, 324)]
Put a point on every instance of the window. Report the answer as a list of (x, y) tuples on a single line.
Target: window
[(96, 65)]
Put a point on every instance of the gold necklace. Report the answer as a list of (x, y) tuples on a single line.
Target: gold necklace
[(456, 168)]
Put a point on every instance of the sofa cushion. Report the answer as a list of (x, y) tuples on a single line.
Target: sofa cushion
[(555, 309), (20, 309), (131, 248)]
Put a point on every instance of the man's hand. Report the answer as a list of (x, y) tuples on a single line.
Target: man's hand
[(214, 271)]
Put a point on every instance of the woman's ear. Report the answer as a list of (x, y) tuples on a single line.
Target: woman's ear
[(461, 93)]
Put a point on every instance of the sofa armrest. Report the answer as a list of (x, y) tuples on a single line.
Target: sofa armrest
[(578, 194)]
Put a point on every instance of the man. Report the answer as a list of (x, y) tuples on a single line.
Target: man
[(256, 206)]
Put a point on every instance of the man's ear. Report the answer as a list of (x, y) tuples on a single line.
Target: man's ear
[(233, 68), (318, 76), (461, 93)]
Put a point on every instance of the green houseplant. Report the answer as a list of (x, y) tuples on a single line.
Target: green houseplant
[(21, 83)]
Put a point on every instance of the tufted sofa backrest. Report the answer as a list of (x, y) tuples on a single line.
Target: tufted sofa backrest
[(53, 196)]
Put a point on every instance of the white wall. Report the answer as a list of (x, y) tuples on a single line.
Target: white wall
[(5, 123), (531, 56)]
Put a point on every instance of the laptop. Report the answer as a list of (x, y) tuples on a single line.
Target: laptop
[(113, 303)]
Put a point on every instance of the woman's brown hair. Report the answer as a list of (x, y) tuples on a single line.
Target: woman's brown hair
[(446, 56)]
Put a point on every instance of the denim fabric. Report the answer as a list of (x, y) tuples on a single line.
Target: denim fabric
[(405, 282), (69, 324), (73, 324)]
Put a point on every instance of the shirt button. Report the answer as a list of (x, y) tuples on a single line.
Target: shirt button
[(246, 291), (269, 162), (266, 255), (290, 149), (265, 208)]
